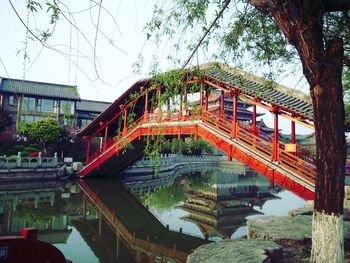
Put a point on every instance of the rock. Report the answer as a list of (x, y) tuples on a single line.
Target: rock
[(278, 228), (77, 166), (303, 211), (239, 250), (275, 228), (307, 210)]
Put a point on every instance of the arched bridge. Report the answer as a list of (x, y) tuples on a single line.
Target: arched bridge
[(161, 107)]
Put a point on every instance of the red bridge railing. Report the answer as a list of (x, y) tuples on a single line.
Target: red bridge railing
[(257, 141)]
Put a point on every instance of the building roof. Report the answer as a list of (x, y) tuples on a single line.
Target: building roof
[(35, 88), (92, 105)]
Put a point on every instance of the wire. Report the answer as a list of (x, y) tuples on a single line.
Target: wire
[(7, 74)]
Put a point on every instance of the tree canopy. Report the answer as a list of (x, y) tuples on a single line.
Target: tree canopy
[(46, 130), (5, 119)]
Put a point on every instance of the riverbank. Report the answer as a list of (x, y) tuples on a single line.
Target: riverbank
[(270, 239)]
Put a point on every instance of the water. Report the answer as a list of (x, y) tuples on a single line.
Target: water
[(100, 221)]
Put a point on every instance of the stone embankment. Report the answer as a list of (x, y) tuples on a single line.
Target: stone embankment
[(269, 239)]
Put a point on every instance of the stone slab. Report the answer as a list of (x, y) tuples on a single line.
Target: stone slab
[(275, 228), (237, 251)]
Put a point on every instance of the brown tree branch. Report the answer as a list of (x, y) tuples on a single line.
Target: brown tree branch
[(260, 3)]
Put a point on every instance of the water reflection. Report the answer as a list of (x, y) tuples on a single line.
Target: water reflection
[(44, 205), (174, 211), (214, 199)]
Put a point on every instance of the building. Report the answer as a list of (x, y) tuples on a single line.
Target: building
[(31, 101), (87, 110)]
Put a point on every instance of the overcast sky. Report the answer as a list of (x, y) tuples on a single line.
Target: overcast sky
[(74, 45)]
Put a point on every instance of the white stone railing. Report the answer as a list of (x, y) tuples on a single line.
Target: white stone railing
[(169, 159), (11, 162)]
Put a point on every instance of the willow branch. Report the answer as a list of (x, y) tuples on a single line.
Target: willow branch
[(213, 23)]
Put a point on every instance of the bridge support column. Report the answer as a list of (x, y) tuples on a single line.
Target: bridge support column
[(145, 115), (201, 98), (105, 138), (180, 109), (125, 121), (222, 104), (292, 134), (159, 106), (272, 179), (184, 113), (254, 129), (206, 99), (275, 111), (229, 154), (88, 150), (234, 115)]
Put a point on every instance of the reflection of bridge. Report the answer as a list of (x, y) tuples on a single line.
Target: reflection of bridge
[(132, 223), (139, 113)]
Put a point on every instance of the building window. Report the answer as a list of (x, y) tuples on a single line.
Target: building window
[(67, 107), (55, 106), (11, 100), (38, 105), (47, 105), (28, 104)]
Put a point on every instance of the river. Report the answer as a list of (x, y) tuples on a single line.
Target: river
[(141, 216)]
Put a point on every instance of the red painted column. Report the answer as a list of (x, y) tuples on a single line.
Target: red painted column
[(185, 103), (145, 115), (201, 98), (275, 134), (159, 106), (234, 115), (206, 99), (254, 129), (105, 138), (292, 135), (180, 105), (222, 105), (125, 121), (88, 151)]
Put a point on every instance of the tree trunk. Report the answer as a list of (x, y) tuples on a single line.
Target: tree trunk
[(328, 107), (302, 24)]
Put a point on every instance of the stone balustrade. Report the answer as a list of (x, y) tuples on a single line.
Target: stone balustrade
[(13, 162)]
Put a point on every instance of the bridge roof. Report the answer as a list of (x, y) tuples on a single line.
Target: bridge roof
[(287, 99), (291, 103)]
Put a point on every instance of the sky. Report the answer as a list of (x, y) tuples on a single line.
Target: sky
[(74, 45)]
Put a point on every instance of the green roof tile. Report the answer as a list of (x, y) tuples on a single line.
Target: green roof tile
[(92, 106), (34, 88)]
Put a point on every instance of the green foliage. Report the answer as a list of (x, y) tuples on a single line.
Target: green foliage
[(5, 119), (171, 81), (164, 198), (190, 147), (46, 130), (347, 117), (40, 215)]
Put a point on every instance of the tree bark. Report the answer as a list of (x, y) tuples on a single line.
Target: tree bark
[(302, 22), (328, 106)]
